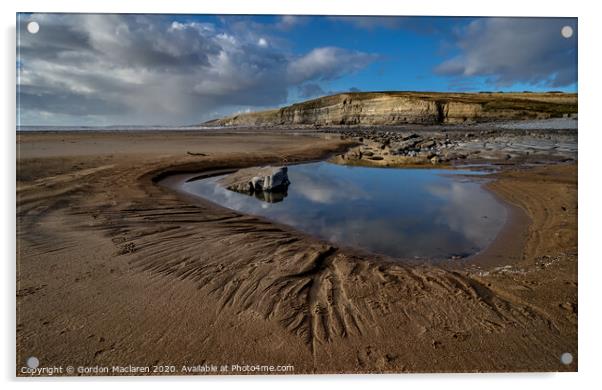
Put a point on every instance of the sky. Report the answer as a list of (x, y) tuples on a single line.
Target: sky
[(172, 70)]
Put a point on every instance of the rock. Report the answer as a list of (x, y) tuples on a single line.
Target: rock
[(252, 180), (426, 154), (354, 154), (410, 143), (411, 136), (568, 307), (428, 144)]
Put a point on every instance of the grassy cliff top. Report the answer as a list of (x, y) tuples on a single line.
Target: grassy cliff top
[(554, 103)]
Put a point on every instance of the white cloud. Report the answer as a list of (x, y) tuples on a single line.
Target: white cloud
[(327, 63), (288, 21), (516, 50), (136, 69)]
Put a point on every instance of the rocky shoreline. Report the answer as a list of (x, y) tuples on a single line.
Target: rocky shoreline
[(383, 147)]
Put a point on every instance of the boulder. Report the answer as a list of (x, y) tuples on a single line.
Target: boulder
[(409, 143), (254, 180), (354, 154), (428, 144), (411, 136)]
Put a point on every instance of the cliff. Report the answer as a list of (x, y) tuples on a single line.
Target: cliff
[(393, 108)]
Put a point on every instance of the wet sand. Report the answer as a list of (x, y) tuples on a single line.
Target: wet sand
[(114, 269)]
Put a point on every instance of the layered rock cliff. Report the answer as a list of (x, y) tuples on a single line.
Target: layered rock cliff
[(393, 108)]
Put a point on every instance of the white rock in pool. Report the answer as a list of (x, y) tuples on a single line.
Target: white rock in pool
[(257, 179)]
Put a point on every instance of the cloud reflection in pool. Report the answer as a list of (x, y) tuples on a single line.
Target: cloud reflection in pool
[(404, 213)]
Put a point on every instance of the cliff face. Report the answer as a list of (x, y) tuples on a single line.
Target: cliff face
[(391, 108)]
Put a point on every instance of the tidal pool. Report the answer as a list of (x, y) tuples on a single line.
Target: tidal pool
[(429, 214)]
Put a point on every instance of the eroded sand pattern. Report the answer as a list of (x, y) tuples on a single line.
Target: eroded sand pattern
[(116, 270)]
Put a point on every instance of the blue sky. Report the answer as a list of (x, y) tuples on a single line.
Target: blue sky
[(409, 49), (182, 69)]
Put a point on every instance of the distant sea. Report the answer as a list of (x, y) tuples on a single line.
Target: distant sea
[(111, 128)]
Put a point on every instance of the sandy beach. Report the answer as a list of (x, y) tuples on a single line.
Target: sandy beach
[(116, 269)]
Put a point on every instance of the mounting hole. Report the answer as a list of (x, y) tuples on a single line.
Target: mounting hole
[(33, 27), (566, 358), (33, 362), (567, 32)]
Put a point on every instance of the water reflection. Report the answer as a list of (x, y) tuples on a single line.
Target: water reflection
[(404, 213), (271, 197)]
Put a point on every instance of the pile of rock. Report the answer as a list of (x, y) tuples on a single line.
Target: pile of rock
[(453, 145), (393, 149), (414, 145)]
